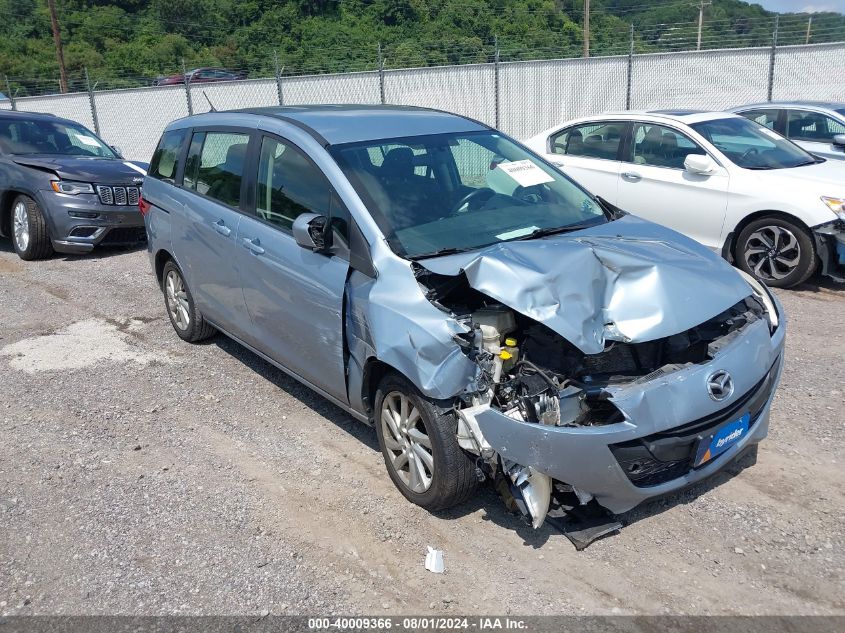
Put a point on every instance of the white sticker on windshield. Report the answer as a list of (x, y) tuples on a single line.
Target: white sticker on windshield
[(87, 140), (525, 173), (509, 235)]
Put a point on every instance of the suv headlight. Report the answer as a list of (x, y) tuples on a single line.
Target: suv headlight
[(837, 205), (765, 296), (71, 188)]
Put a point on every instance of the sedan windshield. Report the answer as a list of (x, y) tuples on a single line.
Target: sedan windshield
[(18, 136), (445, 193), (751, 145)]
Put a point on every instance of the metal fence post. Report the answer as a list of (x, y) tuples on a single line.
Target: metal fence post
[(278, 76), (92, 103), (630, 71), (187, 88), (772, 59), (380, 74), (496, 80), (9, 94)]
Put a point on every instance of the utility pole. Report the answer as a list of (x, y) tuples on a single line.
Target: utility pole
[(586, 28), (701, 5), (809, 29), (57, 39)]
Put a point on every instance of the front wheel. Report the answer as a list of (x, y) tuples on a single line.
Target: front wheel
[(420, 447), (776, 251), (29, 230)]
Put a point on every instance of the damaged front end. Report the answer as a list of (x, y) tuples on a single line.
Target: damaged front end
[(584, 392), (830, 246)]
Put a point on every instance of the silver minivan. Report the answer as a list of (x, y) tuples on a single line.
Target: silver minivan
[(491, 319)]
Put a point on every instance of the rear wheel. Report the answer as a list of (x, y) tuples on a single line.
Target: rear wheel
[(184, 316), (420, 447), (776, 251), (29, 230)]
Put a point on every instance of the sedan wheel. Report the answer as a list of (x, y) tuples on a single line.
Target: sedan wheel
[(21, 226), (772, 253), (406, 441), (177, 300)]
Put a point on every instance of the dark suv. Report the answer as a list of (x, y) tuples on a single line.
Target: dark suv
[(63, 189)]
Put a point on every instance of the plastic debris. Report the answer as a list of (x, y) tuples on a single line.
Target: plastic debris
[(434, 560)]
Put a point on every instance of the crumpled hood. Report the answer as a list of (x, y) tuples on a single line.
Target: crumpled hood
[(107, 171), (627, 280)]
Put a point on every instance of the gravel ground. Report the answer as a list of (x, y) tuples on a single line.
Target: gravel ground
[(143, 475)]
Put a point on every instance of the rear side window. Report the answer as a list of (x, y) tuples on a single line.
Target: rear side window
[(766, 118), (215, 165), (593, 140), (166, 157)]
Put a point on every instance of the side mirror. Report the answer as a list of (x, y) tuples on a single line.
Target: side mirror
[(839, 141), (699, 164), (310, 231)]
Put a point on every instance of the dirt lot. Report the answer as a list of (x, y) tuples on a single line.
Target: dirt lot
[(142, 475)]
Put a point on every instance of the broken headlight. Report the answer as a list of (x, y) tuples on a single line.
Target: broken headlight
[(765, 297)]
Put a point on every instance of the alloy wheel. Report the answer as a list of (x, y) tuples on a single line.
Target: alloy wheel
[(772, 253), (21, 226), (177, 300), (407, 443)]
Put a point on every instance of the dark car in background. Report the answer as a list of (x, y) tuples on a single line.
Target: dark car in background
[(200, 76), (63, 189)]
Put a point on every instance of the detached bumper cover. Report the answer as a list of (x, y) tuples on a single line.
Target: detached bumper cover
[(830, 245), (79, 223), (593, 459)]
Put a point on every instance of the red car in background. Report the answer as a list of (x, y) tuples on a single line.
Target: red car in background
[(200, 75)]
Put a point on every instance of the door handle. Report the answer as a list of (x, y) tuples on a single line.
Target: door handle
[(221, 228), (253, 245), (632, 176)]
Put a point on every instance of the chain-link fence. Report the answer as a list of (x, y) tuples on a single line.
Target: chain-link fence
[(519, 97)]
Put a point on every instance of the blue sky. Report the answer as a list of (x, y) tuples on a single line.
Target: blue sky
[(801, 6)]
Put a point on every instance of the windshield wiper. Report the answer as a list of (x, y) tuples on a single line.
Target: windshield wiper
[(451, 250), (555, 230)]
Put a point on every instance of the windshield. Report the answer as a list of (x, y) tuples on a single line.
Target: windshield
[(18, 136), (841, 111), (460, 191), (752, 146)]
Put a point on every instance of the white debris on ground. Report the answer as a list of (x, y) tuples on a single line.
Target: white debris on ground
[(434, 560)]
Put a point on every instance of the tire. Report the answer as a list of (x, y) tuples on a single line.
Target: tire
[(778, 252), (184, 316), (30, 236), (450, 472)]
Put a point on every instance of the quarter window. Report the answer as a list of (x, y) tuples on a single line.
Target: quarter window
[(661, 146), (289, 184), (593, 140), (166, 157), (812, 126), (215, 165)]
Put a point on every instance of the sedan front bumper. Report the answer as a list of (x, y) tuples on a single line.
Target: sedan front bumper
[(81, 222), (665, 417)]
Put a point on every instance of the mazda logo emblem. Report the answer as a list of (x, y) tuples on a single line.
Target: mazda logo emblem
[(720, 385)]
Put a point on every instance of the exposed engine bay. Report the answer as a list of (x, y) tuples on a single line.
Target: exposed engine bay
[(533, 375)]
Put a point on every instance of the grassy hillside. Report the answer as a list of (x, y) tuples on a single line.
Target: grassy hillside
[(128, 42)]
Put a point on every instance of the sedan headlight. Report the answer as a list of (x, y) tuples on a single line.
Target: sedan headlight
[(765, 296), (71, 188), (837, 205)]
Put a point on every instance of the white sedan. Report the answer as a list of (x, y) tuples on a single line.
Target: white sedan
[(735, 186)]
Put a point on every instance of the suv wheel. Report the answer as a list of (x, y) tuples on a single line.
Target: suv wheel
[(184, 316), (776, 251), (420, 447), (29, 230)]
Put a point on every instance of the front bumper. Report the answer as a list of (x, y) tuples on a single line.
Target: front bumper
[(79, 223), (675, 405), (830, 246)]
